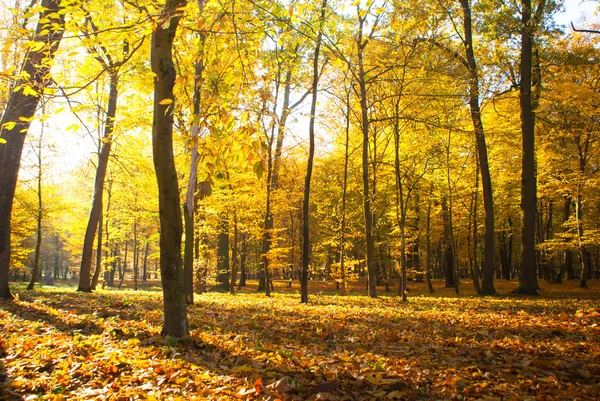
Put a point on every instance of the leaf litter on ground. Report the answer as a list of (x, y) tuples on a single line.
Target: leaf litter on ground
[(57, 344)]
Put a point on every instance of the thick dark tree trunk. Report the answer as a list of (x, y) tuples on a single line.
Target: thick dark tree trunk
[(19, 110), (528, 283), (96, 210), (171, 265)]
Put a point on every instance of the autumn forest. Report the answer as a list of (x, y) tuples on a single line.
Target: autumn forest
[(332, 200)]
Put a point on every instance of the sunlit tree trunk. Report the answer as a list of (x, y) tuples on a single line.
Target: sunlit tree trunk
[(171, 264), (20, 109), (96, 210)]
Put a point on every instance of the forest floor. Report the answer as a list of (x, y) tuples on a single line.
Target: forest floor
[(59, 344)]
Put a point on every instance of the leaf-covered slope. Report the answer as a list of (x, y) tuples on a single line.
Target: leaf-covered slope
[(62, 344)]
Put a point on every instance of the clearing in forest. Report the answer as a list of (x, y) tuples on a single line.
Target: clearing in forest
[(59, 344)]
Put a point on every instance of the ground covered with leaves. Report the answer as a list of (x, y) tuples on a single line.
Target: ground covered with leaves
[(58, 344)]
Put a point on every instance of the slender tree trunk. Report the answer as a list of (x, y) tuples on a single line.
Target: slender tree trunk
[(40, 214), (20, 109), (171, 264), (146, 250), (135, 255), (188, 254), (309, 166), (96, 210), (223, 265), (400, 207), (584, 254), (368, 216), (567, 265), (343, 279), (428, 236), (528, 283), (123, 266), (243, 255), (190, 205), (475, 265), (234, 255), (487, 286)]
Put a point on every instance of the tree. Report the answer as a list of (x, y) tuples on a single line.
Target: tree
[(486, 181), (18, 114), (171, 264), (311, 155), (528, 284), (111, 65)]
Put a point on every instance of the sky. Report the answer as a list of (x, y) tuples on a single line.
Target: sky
[(580, 12)]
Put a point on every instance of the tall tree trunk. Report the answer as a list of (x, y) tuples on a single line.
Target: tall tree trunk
[(171, 265), (475, 266), (448, 255), (428, 235), (309, 166), (487, 285), (273, 165), (96, 210), (528, 283), (400, 206), (368, 216), (584, 253), (40, 214), (190, 202), (135, 255), (234, 255), (145, 268), (344, 287), (19, 110)]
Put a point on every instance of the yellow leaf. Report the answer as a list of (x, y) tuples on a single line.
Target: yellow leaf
[(27, 120), (9, 125), (165, 102), (242, 369), (29, 91)]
